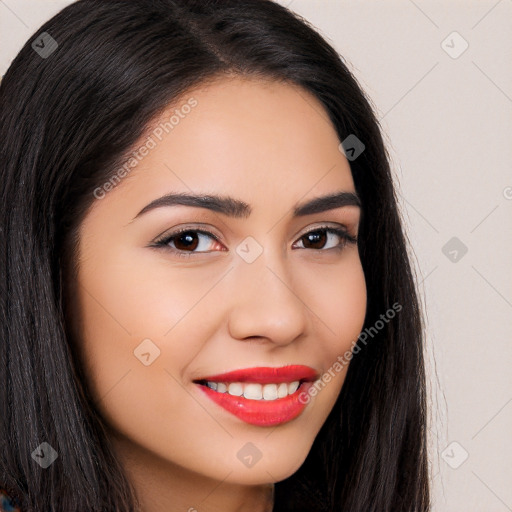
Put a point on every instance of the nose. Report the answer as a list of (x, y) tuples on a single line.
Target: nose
[(265, 302)]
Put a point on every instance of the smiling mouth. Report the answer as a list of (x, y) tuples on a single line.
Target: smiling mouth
[(262, 396), (254, 390)]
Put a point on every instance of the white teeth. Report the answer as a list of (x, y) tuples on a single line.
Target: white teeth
[(269, 392), (282, 390), (235, 389), (293, 386), (255, 391)]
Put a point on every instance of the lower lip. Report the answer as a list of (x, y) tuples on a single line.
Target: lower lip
[(264, 413)]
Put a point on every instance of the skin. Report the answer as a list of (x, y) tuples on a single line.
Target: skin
[(271, 145)]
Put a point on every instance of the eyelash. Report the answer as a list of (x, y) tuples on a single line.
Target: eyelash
[(162, 243)]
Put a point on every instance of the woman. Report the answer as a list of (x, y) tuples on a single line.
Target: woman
[(198, 225)]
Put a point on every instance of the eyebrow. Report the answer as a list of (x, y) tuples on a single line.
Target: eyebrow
[(236, 208)]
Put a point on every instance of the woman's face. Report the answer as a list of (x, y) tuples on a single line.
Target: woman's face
[(153, 319)]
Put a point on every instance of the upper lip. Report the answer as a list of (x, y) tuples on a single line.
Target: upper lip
[(266, 375)]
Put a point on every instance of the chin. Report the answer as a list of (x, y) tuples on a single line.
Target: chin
[(277, 466)]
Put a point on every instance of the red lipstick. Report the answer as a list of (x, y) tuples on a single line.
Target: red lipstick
[(262, 412)]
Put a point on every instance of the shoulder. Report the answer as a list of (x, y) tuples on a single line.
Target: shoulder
[(6, 503)]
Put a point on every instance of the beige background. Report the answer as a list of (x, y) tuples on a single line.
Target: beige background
[(447, 119)]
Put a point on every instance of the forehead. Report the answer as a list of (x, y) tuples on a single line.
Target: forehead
[(260, 140)]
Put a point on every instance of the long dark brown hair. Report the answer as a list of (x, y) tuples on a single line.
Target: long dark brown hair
[(67, 122)]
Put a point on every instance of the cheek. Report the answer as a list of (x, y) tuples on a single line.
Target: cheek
[(340, 306), (340, 310), (133, 369), (128, 300), (133, 314)]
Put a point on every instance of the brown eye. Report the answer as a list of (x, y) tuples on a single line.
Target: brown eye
[(186, 241), (317, 238)]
